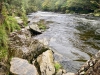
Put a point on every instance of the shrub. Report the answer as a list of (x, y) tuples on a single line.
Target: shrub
[(10, 24), (3, 42)]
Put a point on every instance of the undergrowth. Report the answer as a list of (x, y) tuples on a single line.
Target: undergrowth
[(9, 25)]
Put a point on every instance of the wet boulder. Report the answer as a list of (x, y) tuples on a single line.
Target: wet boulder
[(46, 63), (22, 67)]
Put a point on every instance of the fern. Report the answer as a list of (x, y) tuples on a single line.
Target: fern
[(11, 24), (3, 42)]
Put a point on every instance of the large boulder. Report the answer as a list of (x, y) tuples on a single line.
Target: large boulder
[(46, 63), (22, 67), (91, 67), (22, 45)]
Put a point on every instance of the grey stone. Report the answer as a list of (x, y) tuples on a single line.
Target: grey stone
[(22, 67), (46, 63), (35, 28)]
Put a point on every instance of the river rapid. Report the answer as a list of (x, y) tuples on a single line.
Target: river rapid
[(73, 38)]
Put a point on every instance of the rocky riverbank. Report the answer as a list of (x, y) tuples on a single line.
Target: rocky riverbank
[(27, 56)]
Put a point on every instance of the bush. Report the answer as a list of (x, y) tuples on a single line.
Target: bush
[(3, 42), (10, 24)]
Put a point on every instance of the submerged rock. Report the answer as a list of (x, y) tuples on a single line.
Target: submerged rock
[(22, 67), (46, 63)]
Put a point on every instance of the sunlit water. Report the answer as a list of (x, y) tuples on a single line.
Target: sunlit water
[(67, 36)]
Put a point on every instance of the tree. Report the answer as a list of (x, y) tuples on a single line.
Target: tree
[(79, 5)]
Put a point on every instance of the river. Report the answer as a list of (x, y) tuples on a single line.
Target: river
[(73, 38)]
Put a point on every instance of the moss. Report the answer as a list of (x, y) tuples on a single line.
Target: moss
[(42, 25), (57, 66)]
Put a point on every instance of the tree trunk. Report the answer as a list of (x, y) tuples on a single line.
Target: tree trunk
[(0, 7), (1, 16)]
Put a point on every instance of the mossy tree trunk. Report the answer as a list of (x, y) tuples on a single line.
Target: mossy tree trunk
[(0, 7), (1, 17)]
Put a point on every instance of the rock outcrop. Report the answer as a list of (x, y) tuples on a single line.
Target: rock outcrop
[(22, 67), (22, 45), (91, 67), (46, 63)]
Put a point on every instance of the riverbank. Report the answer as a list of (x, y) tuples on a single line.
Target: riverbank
[(27, 56), (59, 45)]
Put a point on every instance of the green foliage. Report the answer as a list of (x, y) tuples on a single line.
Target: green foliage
[(97, 12), (8, 26), (3, 37), (73, 6), (57, 66), (96, 3), (11, 24), (3, 42), (3, 53), (79, 6)]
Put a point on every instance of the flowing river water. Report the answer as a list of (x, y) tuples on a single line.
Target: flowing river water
[(73, 38)]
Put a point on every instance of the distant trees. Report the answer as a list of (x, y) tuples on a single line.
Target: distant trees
[(73, 6), (79, 6), (96, 3)]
